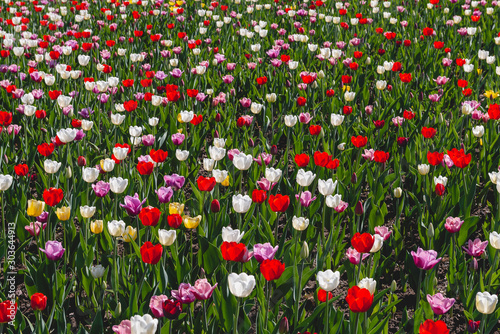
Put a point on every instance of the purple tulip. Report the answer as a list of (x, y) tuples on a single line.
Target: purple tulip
[(133, 205), (164, 194), (125, 327), (425, 259), (453, 224), (175, 181), (101, 188), (475, 248), (176, 73), (439, 304), (178, 138), (43, 217), (54, 250), (305, 198), (160, 75), (184, 294), (156, 305), (246, 102), (148, 140), (202, 290), (263, 252)]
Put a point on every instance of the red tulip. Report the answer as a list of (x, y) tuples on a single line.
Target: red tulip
[(432, 327), (172, 308), (38, 301), (494, 111), (215, 206), (158, 156), (322, 295), (359, 300), (5, 118), (459, 158), (149, 216), (174, 221), (197, 119), (7, 311), (302, 160), (279, 203), (21, 169), (206, 183), (440, 189), (301, 101), (261, 81), (321, 159), (359, 141), (151, 253), (405, 77), (315, 130), (130, 105), (272, 269), (46, 149), (428, 132), (52, 196), (363, 243), (259, 196), (82, 161), (233, 251), (380, 156), (145, 168), (435, 158)]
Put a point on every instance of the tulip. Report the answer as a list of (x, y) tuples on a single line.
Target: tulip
[(97, 271), (181, 155), (273, 175), (89, 175), (300, 223), (423, 169), (175, 181), (430, 327), (495, 240), (35, 207), (143, 324), (164, 194), (230, 235), (290, 120), (241, 285), (359, 299), (272, 269), (167, 237), (439, 304), (175, 208), (34, 228), (453, 224), (87, 211), (51, 167), (7, 311), (38, 301), (304, 178), (116, 228), (241, 204), (368, 283), (327, 187), (53, 250), (263, 252), (486, 302), (107, 165), (150, 253), (475, 248), (156, 305), (133, 205), (398, 192), (425, 260), (242, 161), (191, 222), (63, 213), (101, 188), (172, 309), (377, 244), (328, 280)]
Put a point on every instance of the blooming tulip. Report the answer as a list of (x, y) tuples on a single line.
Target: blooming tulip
[(328, 280), (439, 304), (241, 285), (486, 302), (167, 237), (53, 250)]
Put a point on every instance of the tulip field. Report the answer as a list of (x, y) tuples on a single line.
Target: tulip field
[(249, 166)]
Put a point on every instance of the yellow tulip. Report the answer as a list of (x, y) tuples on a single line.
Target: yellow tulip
[(129, 234), (96, 226), (179, 130), (63, 213), (479, 71), (175, 208), (179, 3), (191, 222), (346, 87), (491, 94), (35, 208), (179, 118), (225, 183)]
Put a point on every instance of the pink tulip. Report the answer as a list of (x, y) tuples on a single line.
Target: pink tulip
[(202, 289), (453, 224)]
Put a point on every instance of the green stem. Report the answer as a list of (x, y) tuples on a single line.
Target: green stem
[(359, 268), (115, 270), (483, 323), (327, 327), (299, 293), (236, 315), (418, 288), (268, 300)]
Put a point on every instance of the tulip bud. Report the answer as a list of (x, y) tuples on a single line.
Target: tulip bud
[(274, 150), (284, 326), (118, 309), (251, 143), (359, 210), (215, 206), (216, 134), (104, 285), (430, 231), (473, 326), (218, 117), (398, 192), (82, 161), (354, 178), (394, 286), (304, 252), (473, 264), (69, 173)]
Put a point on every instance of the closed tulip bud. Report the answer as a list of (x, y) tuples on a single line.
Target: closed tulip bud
[(359, 210), (104, 285), (82, 161), (284, 326), (118, 309), (69, 172), (354, 178), (430, 231), (304, 252), (274, 150), (394, 286), (215, 206), (251, 143), (398, 192), (218, 117)]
